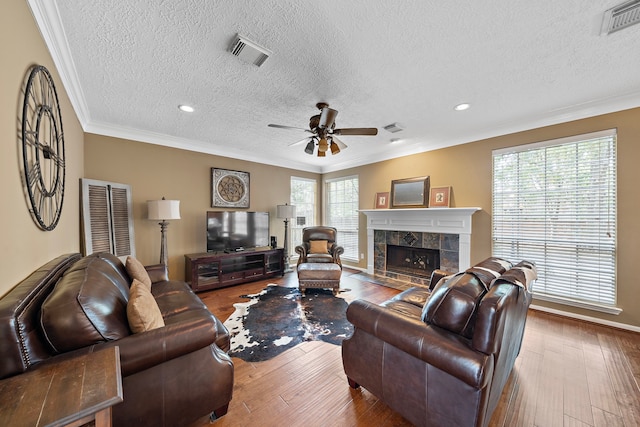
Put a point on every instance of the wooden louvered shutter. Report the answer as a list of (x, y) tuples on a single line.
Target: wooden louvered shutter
[(107, 218)]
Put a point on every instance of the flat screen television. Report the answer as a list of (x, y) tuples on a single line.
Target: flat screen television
[(236, 230)]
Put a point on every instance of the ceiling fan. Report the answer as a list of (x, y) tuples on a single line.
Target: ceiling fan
[(323, 132)]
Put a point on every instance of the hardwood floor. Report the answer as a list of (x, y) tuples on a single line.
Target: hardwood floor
[(569, 373)]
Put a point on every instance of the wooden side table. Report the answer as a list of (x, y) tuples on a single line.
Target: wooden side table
[(71, 392)]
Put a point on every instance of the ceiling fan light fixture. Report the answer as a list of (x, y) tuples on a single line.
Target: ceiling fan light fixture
[(323, 145), (310, 147), (334, 148)]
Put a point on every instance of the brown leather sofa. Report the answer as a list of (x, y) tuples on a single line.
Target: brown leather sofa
[(442, 357), (171, 376), (326, 235)]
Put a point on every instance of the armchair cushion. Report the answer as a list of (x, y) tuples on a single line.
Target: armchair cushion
[(143, 312), (318, 247)]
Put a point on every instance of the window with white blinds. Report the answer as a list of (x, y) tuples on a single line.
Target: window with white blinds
[(342, 213), (554, 203), (303, 197)]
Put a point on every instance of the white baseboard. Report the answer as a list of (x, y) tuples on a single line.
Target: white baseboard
[(586, 318)]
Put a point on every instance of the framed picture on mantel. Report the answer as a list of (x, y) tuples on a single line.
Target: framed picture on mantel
[(439, 197), (410, 192), (382, 200)]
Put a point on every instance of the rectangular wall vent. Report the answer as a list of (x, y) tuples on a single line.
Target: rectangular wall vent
[(249, 51), (621, 16)]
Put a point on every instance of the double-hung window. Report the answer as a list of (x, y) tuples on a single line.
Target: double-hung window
[(342, 198), (554, 203), (303, 197)]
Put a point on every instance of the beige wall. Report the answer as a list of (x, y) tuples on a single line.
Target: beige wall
[(467, 168), (24, 246), (154, 172)]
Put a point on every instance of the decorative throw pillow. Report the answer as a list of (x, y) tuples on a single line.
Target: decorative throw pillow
[(137, 271), (318, 247), (143, 312)]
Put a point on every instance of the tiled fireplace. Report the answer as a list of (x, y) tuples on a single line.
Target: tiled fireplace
[(408, 244)]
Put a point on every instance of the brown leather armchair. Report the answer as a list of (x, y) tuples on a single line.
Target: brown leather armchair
[(319, 246)]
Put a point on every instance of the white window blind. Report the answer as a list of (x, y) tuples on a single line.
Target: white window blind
[(303, 197), (342, 213), (554, 203)]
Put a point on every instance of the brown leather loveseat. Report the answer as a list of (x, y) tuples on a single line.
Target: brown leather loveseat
[(171, 375), (442, 357)]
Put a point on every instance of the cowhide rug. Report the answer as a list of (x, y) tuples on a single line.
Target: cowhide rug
[(279, 318)]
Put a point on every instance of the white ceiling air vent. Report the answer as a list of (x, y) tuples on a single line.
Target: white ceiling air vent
[(394, 127), (621, 16), (249, 51)]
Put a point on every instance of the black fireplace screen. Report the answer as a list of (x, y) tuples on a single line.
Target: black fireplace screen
[(412, 261)]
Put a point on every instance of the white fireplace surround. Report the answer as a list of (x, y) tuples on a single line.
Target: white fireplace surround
[(429, 220)]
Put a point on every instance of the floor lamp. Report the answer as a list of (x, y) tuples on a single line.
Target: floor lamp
[(285, 212), (163, 210)]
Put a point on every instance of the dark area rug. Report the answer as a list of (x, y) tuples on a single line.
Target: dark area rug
[(279, 318)]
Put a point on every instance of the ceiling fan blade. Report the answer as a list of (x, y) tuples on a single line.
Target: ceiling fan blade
[(356, 131), (327, 117), (271, 125), (301, 141)]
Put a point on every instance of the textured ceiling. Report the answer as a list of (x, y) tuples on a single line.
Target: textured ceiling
[(521, 64)]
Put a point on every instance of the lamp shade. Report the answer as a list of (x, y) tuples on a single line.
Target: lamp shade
[(163, 209), (285, 211)]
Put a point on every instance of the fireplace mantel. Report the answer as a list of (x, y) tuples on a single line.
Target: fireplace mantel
[(431, 220)]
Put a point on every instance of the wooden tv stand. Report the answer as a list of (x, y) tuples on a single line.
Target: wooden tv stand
[(212, 270)]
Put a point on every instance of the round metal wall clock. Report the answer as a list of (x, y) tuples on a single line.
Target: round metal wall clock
[(43, 148)]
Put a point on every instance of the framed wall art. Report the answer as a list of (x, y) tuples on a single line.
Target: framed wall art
[(382, 200), (229, 189), (410, 192), (439, 197)]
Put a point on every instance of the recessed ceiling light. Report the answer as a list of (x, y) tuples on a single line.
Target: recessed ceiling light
[(186, 108), (461, 107), (395, 140)]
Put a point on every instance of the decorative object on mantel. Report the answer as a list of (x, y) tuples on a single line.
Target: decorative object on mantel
[(439, 197), (163, 210), (410, 192), (285, 212), (382, 200), (229, 189)]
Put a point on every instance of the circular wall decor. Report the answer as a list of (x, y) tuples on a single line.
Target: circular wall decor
[(43, 148), (229, 188)]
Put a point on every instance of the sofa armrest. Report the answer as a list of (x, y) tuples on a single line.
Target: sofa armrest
[(442, 349), (144, 350), (157, 272)]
